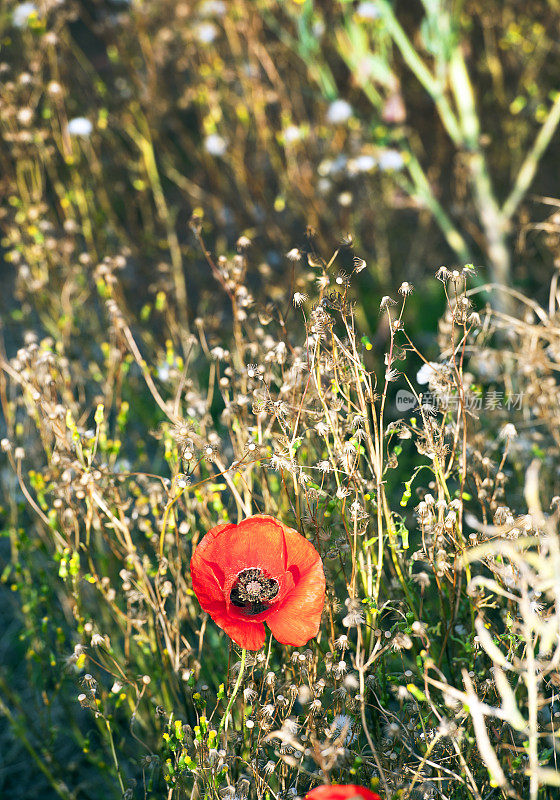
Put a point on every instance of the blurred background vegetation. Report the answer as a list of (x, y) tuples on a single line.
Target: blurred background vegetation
[(419, 128), (426, 131)]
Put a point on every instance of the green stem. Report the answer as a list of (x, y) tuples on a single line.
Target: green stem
[(423, 191), (432, 85), (114, 754), (224, 722), (488, 210), (146, 147), (529, 166)]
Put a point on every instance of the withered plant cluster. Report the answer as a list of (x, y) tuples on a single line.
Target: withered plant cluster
[(160, 374), (435, 671)]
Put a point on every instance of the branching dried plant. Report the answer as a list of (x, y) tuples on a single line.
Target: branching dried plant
[(291, 420)]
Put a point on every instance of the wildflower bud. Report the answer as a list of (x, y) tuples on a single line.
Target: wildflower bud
[(449, 521), (91, 683), (252, 371), (394, 110), (5, 445), (195, 224), (304, 694), (25, 116), (19, 453), (474, 319), (342, 279), (402, 642), (243, 243), (423, 510), (315, 706)]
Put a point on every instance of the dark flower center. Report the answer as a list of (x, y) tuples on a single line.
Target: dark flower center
[(253, 591)]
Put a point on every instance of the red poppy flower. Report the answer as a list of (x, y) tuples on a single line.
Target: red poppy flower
[(341, 792), (260, 571)]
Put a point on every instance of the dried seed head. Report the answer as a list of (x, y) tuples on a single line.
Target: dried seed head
[(243, 243), (359, 264), (509, 431), (386, 301)]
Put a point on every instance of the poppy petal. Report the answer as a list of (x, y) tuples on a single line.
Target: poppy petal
[(299, 551), (249, 635), (256, 542), (297, 619), (341, 792), (212, 534), (207, 582)]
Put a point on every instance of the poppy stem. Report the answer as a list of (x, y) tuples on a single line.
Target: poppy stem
[(224, 721)]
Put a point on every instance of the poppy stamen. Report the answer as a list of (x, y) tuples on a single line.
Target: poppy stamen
[(253, 591)]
